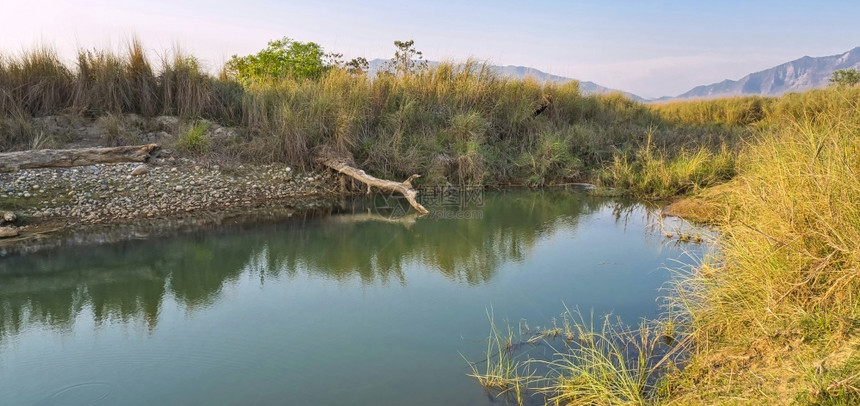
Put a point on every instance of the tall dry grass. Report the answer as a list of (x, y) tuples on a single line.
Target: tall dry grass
[(774, 317), (453, 123), (100, 83), (649, 172), (783, 304), (728, 111), (458, 123)]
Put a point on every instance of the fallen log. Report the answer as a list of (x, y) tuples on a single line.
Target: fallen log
[(64, 158), (404, 188)]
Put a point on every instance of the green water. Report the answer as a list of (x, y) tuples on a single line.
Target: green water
[(348, 307)]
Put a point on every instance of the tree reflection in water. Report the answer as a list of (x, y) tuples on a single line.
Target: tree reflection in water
[(127, 282)]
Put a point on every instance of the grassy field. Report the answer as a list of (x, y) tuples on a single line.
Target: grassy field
[(772, 320)]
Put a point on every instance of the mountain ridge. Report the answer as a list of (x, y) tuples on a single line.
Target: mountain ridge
[(801, 74), (521, 72)]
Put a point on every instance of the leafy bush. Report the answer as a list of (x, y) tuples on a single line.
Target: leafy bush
[(281, 59), (845, 77)]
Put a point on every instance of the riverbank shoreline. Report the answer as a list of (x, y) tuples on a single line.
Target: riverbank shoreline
[(99, 203), (109, 203)]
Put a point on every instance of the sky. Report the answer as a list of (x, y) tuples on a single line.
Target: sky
[(649, 48)]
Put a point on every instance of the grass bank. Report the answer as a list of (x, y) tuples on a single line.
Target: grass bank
[(452, 123), (774, 318)]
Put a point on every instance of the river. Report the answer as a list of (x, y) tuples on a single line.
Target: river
[(352, 305)]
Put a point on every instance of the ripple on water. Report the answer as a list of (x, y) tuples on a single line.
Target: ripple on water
[(82, 394)]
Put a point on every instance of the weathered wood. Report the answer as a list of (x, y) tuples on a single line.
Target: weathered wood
[(64, 158), (404, 188)]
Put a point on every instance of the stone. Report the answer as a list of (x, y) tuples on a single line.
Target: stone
[(167, 121), (9, 217), (6, 232), (139, 170), (178, 188)]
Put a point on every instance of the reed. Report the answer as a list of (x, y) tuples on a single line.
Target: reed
[(652, 173), (503, 374), (782, 303), (608, 365), (772, 318), (462, 122)]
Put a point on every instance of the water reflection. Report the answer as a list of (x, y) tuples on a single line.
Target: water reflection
[(128, 282)]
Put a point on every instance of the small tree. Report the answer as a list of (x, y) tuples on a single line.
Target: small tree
[(845, 77), (357, 66), (407, 59), (281, 59), (354, 66)]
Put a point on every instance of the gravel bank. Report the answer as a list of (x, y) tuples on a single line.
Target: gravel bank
[(118, 193)]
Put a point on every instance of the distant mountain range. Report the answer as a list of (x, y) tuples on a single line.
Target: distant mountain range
[(585, 87), (521, 72), (796, 76)]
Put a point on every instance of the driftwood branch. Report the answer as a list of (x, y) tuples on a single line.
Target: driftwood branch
[(404, 188), (64, 158)]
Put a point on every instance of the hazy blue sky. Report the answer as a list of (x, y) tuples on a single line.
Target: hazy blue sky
[(651, 48)]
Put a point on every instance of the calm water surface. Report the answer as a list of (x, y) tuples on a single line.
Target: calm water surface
[(349, 308)]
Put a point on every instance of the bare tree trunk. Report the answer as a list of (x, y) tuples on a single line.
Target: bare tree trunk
[(404, 188), (64, 158)]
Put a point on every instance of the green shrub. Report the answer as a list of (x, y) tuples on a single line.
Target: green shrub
[(194, 140)]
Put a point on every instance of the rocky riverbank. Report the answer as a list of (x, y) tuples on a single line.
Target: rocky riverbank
[(169, 189)]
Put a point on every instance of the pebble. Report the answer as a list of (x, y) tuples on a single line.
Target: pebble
[(139, 170), (6, 232), (106, 193)]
